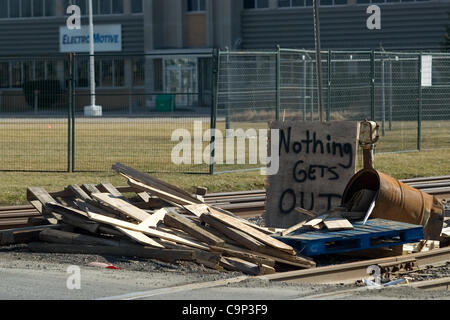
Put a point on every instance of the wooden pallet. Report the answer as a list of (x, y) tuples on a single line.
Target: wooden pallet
[(376, 233)]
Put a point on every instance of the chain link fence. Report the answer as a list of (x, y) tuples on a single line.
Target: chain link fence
[(147, 99), (407, 98), (144, 98)]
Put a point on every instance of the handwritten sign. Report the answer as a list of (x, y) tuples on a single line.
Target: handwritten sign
[(316, 162)]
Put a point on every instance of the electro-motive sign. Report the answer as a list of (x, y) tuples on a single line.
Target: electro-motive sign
[(107, 38), (317, 161)]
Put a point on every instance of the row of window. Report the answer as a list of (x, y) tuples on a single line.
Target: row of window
[(109, 72), (46, 8), (261, 4)]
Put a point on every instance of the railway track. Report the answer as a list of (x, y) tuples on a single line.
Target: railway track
[(246, 204)]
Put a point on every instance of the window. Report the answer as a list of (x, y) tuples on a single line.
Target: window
[(117, 6), (105, 6), (309, 3), (26, 8), (98, 6), (38, 8), (196, 5), (4, 75), (3, 8), (49, 8), (138, 72), (158, 75), (136, 6), (256, 4), (386, 1)]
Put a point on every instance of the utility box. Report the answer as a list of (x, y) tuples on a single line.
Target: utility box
[(165, 103)]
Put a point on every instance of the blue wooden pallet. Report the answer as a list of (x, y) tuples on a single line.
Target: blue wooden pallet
[(376, 233)]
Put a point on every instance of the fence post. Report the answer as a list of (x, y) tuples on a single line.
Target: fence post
[(36, 101), (69, 113), (277, 79), (72, 101), (372, 85), (329, 87), (419, 102), (383, 98), (214, 102)]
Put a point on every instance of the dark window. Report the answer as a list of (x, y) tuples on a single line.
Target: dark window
[(50, 8), (284, 3), (338, 2), (117, 6), (158, 75), (138, 72), (119, 73), (105, 6), (4, 75), (249, 4), (256, 4), (136, 6), (326, 2), (3, 8), (196, 5), (95, 6), (14, 9), (26, 8), (38, 8), (298, 3)]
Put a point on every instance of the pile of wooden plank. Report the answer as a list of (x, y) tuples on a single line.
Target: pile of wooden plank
[(98, 219)]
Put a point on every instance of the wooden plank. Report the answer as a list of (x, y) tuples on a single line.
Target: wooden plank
[(244, 221), (316, 221), (258, 235), (251, 257), (58, 236), (197, 209), (140, 238), (109, 188), (90, 188), (280, 257), (122, 206), (337, 223), (309, 213), (155, 183), (147, 231), (78, 192), (236, 264), (39, 198), (160, 193), (180, 222), (236, 235), (23, 235), (293, 228), (82, 223), (167, 255)]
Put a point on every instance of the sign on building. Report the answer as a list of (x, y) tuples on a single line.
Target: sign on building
[(316, 162), (107, 38)]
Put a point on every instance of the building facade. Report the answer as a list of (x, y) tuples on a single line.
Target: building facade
[(147, 47)]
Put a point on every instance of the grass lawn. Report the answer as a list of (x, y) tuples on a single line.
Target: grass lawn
[(145, 144), (404, 165)]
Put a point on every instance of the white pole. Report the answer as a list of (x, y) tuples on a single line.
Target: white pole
[(91, 53)]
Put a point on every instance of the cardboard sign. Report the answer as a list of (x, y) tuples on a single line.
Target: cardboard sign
[(316, 162)]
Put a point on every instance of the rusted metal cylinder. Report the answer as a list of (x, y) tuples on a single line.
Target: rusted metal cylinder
[(398, 202)]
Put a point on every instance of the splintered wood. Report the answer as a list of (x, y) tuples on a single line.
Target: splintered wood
[(98, 219)]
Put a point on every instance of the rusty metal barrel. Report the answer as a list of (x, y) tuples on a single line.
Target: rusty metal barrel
[(398, 202)]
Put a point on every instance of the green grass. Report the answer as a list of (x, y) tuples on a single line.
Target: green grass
[(145, 144), (405, 165)]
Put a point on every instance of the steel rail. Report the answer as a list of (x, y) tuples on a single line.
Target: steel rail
[(351, 272)]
